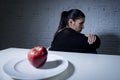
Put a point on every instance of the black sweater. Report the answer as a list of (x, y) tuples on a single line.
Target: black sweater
[(71, 41)]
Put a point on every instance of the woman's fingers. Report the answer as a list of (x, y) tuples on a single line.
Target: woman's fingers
[(91, 38)]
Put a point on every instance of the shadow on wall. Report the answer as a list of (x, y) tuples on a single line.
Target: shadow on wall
[(110, 44)]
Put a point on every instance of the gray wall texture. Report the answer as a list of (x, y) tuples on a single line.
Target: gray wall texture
[(29, 23)]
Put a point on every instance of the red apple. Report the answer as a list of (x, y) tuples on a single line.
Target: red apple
[(37, 56)]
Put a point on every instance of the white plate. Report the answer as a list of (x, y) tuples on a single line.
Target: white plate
[(20, 68)]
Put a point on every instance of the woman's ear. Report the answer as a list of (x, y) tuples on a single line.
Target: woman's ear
[(70, 23)]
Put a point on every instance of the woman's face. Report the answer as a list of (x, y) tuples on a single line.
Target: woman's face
[(78, 24)]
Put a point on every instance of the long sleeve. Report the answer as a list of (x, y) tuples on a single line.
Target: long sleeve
[(72, 41)]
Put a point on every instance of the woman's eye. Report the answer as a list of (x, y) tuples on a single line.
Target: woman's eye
[(81, 23)]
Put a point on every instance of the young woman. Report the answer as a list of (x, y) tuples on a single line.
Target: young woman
[(68, 37)]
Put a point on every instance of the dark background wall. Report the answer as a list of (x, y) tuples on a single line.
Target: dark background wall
[(29, 23)]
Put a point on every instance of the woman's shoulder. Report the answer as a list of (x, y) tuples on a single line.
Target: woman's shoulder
[(64, 29), (67, 30)]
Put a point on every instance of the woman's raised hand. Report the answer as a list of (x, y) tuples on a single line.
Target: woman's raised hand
[(91, 38)]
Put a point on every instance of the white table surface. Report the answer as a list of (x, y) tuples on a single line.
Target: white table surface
[(81, 66)]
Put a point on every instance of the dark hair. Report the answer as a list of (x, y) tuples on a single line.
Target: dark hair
[(71, 14)]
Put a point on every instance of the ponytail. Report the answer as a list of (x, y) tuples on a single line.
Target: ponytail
[(63, 20)]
